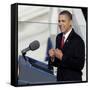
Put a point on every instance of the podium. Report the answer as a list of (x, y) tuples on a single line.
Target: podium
[(34, 72)]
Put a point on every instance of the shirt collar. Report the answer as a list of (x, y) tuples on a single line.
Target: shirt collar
[(67, 34)]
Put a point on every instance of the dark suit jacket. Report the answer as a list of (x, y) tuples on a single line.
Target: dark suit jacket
[(69, 69)]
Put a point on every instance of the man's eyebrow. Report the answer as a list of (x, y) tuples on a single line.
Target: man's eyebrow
[(60, 20)]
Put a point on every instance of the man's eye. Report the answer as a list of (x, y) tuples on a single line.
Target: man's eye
[(58, 20), (63, 20)]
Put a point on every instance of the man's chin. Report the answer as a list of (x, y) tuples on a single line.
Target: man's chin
[(62, 31)]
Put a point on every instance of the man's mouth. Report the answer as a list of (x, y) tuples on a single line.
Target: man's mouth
[(61, 27)]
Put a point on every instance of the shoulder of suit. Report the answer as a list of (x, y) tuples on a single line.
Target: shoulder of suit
[(59, 35), (77, 37)]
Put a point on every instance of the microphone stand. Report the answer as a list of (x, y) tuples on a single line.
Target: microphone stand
[(23, 55)]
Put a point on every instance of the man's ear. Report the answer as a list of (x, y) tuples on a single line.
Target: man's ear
[(71, 23)]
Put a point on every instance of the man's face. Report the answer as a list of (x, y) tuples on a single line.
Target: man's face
[(64, 23)]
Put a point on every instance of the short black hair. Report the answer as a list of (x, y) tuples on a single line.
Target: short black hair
[(66, 12)]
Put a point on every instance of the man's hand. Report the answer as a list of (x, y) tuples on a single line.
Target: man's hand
[(52, 54), (58, 54)]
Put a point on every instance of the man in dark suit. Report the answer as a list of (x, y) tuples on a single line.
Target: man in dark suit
[(69, 55)]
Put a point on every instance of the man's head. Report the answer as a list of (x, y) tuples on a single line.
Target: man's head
[(65, 21)]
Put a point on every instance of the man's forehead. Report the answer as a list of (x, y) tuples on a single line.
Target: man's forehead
[(63, 16)]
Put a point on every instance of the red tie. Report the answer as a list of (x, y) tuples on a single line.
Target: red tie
[(62, 41)]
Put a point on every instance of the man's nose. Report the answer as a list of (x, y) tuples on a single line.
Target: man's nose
[(60, 23)]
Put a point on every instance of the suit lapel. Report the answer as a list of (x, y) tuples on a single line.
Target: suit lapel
[(68, 39), (59, 41)]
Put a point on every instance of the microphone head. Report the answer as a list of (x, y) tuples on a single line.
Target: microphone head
[(34, 45)]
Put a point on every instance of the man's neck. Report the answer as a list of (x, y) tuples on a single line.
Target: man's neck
[(67, 34), (67, 31)]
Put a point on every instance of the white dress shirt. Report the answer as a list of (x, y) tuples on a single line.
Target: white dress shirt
[(67, 34)]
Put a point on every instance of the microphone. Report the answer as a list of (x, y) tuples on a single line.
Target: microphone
[(33, 46)]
